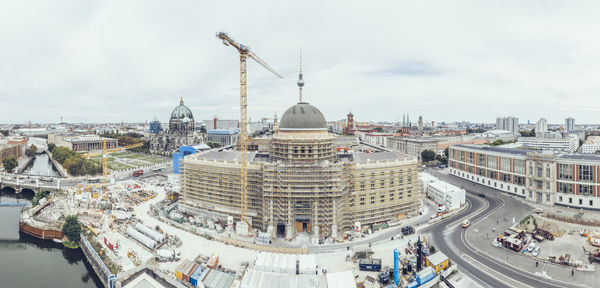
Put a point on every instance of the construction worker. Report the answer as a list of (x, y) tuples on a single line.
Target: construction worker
[(536, 263)]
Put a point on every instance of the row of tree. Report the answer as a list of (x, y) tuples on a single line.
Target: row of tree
[(130, 139), (74, 163)]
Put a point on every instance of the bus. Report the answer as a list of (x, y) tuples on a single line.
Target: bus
[(94, 180), (157, 170), (137, 173)]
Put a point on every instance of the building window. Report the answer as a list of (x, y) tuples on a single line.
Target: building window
[(491, 162), (570, 200), (559, 198), (565, 172), (580, 202), (548, 185), (565, 188), (547, 172), (539, 171), (547, 197), (591, 203), (505, 164), (530, 194), (586, 190), (585, 173)]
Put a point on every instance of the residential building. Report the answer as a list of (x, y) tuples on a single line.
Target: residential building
[(551, 141), (541, 126), (412, 146), (508, 123), (570, 124), (548, 178), (377, 139), (591, 145)]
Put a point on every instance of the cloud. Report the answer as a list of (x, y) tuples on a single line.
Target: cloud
[(112, 61)]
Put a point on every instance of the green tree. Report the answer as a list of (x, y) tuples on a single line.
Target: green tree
[(446, 152), (378, 129), (10, 163), (427, 155), (51, 147), (213, 145), (72, 228), (30, 152)]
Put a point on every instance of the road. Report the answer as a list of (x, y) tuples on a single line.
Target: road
[(450, 238)]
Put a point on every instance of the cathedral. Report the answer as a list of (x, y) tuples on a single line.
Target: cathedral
[(181, 131)]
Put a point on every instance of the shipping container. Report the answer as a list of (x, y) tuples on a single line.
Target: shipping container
[(425, 275), (198, 275), (180, 268), (369, 264), (190, 269), (213, 262)]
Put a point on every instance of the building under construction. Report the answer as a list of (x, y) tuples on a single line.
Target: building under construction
[(302, 183)]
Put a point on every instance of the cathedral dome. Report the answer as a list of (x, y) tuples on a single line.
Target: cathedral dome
[(181, 112), (303, 116)]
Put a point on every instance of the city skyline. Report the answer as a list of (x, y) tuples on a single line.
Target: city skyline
[(109, 62)]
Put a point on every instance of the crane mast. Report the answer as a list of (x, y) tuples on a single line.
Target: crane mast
[(244, 54)]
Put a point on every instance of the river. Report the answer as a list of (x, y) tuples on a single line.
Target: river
[(41, 165), (32, 262)]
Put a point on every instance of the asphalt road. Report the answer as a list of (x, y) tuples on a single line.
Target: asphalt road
[(449, 237)]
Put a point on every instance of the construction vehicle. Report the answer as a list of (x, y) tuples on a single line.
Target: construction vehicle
[(592, 256), (244, 52)]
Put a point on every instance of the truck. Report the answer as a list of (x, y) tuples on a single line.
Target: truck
[(137, 173), (369, 265)]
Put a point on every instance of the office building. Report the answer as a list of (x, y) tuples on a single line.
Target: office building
[(547, 178)]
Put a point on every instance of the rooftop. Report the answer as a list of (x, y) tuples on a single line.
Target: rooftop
[(362, 158), (437, 258)]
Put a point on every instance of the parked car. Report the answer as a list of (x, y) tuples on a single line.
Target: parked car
[(536, 251), (531, 247)]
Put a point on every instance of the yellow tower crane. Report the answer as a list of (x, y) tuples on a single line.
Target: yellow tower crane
[(104, 154), (244, 54)]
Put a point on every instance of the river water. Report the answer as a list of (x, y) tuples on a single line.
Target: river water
[(32, 262), (41, 165)]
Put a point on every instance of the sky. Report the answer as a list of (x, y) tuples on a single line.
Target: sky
[(113, 61)]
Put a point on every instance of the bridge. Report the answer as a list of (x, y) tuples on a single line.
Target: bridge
[(20, 183)]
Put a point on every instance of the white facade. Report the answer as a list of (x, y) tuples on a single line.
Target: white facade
[(541, 126), (569, 143), (443, 193), (591, 145), (508, 123), (377, 139), (570, 124)]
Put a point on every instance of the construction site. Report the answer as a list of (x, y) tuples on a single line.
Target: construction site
[(301, 182)]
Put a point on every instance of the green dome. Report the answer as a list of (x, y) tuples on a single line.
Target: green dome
[(181, 112)]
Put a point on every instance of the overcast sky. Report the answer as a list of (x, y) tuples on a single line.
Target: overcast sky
[(112, 61)]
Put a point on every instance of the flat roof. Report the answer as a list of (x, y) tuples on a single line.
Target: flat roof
[(437, 258), (362, 157), (495, 149), (225, 155)]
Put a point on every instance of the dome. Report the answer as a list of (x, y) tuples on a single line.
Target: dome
[(181, 112), (303, 116)]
